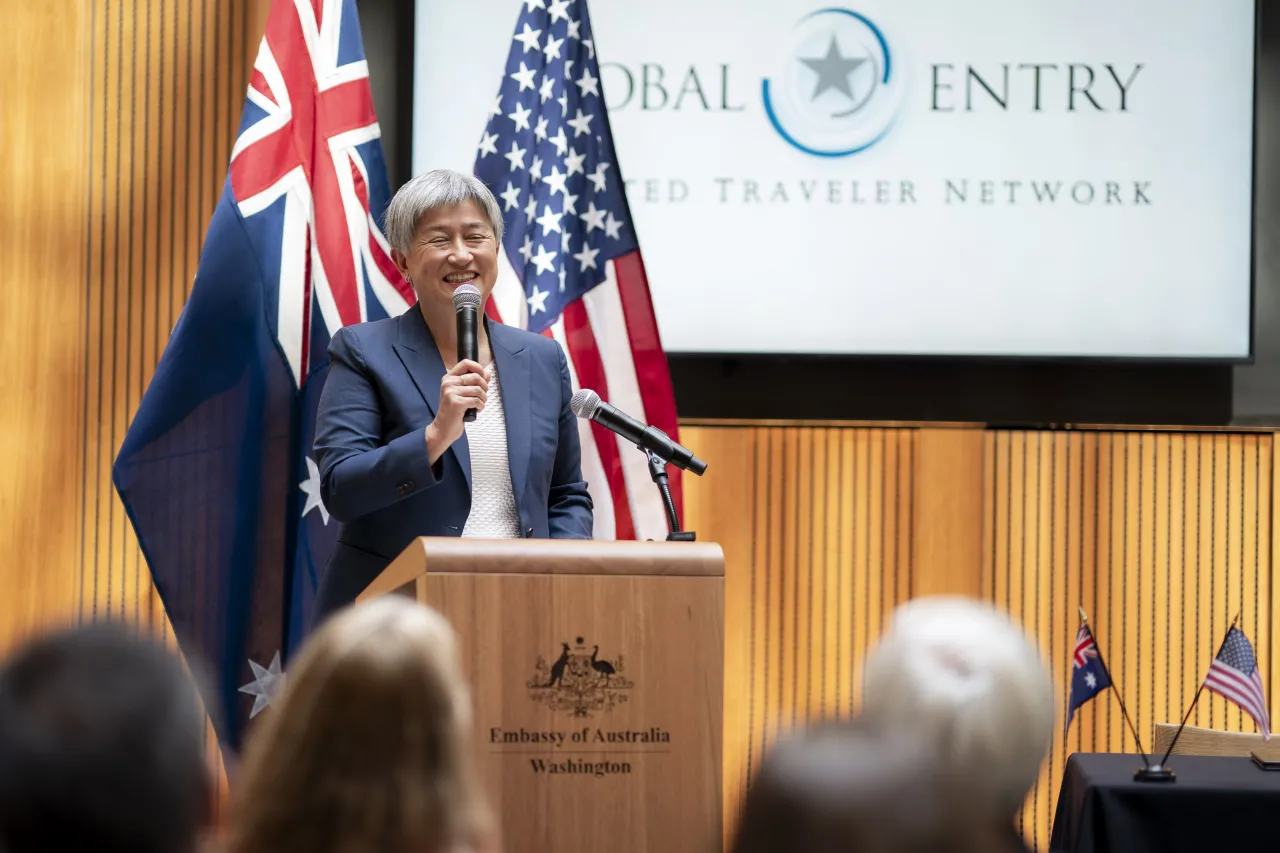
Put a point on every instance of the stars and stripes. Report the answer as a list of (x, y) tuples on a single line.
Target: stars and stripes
[(572, 266), (1234, 676)]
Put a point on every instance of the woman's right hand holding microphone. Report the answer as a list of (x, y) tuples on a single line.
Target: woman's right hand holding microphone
[(462, 388)]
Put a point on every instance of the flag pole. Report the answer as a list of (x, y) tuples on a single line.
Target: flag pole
[(1115, 688), (1186, 717)]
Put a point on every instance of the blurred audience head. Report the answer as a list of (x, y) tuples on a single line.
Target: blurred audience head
[(962, 676), (845, 789), (100, 747), (367, 746)]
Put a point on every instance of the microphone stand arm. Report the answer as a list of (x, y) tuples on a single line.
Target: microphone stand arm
[(658, 473)]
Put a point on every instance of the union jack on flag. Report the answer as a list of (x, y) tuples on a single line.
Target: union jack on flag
[(1089, 675), (571, 267), (214, 471)]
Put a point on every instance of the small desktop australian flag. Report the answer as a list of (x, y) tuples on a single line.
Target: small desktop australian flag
[(1089, 675)]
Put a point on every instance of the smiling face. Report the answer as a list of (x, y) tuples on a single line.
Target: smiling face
[(451, 246)]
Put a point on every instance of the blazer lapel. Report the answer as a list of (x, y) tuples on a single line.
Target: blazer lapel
[(512, 359), (420, 356)]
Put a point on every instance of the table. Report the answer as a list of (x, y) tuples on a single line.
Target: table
[(1215, 804)]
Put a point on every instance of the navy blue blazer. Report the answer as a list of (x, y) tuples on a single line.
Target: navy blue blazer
[(382, 390)]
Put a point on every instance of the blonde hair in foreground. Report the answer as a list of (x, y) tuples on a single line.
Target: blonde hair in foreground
[(367, 747), (962, 676)]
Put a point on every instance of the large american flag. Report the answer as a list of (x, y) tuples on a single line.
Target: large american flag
[(1234, 676), (571, 266)]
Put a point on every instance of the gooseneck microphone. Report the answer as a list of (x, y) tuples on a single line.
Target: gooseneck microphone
[(587, 404), (466, 307)]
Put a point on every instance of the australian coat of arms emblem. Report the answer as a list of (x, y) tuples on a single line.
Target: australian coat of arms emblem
[(579, 681)]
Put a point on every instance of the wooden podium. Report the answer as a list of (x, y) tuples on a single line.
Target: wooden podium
[(597, 673)]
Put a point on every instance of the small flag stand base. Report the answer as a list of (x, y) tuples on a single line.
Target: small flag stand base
[(1153, 773)]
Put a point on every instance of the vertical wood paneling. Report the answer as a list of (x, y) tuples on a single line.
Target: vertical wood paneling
[(165, 89), (816, 523), (120, 115), (1163, 538)]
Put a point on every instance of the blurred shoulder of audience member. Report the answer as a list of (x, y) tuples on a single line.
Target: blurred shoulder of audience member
[(843, 788), (366, 750), (962, 677), (101, 747)]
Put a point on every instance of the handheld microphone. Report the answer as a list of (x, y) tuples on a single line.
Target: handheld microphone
[(466, 307), (587, 404)]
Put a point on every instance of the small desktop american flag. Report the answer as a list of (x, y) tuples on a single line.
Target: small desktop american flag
[(1234, 676), (574, 270)]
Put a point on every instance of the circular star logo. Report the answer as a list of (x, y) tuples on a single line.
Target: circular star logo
[(836, 90)]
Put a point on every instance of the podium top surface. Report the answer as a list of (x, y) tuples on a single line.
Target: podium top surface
[(453, 555)]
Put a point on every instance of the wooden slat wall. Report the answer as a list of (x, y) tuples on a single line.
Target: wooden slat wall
[(167, 82), (120, 116), (816, 525), (1161, 536)]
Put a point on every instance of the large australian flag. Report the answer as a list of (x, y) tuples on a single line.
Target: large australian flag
[(215, 471)]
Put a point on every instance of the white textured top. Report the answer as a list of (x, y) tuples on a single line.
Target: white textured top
[(493, 506)]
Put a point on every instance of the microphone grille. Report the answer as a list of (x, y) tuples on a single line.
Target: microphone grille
[(466, 296), (585, 403)]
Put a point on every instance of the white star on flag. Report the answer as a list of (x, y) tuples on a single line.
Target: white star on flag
[(548, 86), (488, 144), (540, 132), (552, 50), (597, 177), (311, 486), (511, 195), (524, 76), (555, 180), (266, 685), (521, 117), (528, 38), (557, 10), (516, 155), (575, 29), (543, 261), (587, 258), (538, 301), (594, 218), (587, 84), (1090, 679), (573, 161), (548, 220), (581, 124), (612, 227), (560, 142)]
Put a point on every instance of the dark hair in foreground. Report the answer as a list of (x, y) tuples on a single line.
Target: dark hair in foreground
[(840, 788), (100, 747)]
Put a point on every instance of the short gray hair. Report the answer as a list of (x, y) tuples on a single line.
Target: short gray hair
[(960, 675), (432, 190)]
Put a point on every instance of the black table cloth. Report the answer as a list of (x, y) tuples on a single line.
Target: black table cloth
[(1215, 804)]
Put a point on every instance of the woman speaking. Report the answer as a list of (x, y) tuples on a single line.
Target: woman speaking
[(397, 461)]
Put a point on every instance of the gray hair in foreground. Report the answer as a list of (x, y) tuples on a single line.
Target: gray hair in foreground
[(429, 191), (960, 675)]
